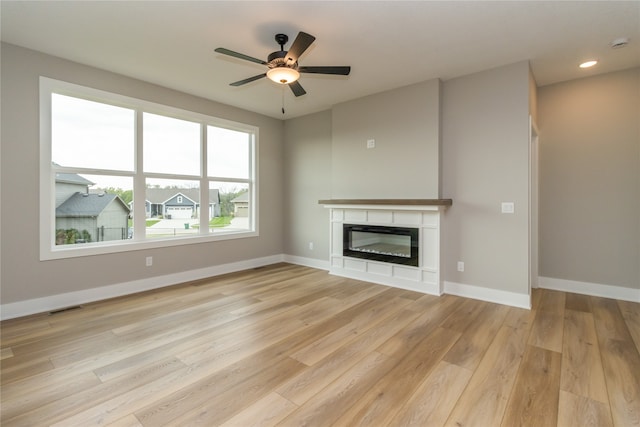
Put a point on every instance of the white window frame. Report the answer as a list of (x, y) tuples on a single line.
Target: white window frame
[(49, 250)]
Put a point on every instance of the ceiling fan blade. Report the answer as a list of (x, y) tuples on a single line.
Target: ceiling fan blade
[(240, 55), (343, 71), (299, 45), (297, 89), (249, 80)]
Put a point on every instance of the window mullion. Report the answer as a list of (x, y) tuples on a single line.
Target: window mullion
[(139, 185), (204, 182)]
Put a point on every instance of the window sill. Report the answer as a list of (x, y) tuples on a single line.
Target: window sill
[(103, 248)]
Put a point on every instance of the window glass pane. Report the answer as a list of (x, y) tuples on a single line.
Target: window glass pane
[(227, 153), (172, 208), (92, 208), (235, 210), (91, 135), (94, 149), (171, 146)]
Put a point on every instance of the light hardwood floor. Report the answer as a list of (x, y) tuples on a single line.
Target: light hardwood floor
[(293, 346)]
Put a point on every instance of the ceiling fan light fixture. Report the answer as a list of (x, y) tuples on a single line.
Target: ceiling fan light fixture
[(283, 75), (589, 64)]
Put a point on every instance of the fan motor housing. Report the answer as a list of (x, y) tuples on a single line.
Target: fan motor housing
[(277, 59)]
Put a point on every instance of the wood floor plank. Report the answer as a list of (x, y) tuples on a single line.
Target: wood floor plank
[(534, 399), (464, 315), (631, 313), (381, 403), (6, 353), (192, 393), (580, 411), (610, 323), (18, 368), (433, 400), (620, 360), (326, 406), (578, 302), (128, 421), (309, 382), (422, 303), (469, 349), (434, 314), (548, 327), (225, 404), (582, 372), (266, 412), (554, 301), (15, 330), (18, 399), (622, 371), (484, 400), (329, 343), (80, 408)]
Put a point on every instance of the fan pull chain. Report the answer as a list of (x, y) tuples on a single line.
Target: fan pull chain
[(283, 99)]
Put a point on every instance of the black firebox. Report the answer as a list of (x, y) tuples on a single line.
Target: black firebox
[(397, 245)]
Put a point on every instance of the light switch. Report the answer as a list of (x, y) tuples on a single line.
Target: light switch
[(508, 207), (371, 143)]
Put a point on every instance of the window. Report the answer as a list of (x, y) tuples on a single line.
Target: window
[(118, 174)]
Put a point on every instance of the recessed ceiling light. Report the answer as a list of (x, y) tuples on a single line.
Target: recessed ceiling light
[(588, 64)]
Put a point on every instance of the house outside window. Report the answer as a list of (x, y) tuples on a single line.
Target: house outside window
[(121, 174)]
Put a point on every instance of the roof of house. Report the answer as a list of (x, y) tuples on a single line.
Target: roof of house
[(87, 205), (244, 197), (161, 195), (72, 178)]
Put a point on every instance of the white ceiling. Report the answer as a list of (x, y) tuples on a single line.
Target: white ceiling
[(388, 44)]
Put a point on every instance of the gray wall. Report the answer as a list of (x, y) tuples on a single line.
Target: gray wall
[(485, 140), (590, 179), (23, 275), (307, 179), (405, 124), (485, 137)]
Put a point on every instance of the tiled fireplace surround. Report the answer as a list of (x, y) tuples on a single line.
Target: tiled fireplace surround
[(423, 214)]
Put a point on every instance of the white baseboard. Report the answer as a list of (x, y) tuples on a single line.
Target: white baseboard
[(55, 302), (394, 282), (307, 262), (587, 288), (486, 294)]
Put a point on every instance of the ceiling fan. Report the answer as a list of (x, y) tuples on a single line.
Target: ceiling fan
[(283, 65)]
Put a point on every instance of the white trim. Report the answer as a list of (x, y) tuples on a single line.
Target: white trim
[(54, 302), (587, 288), (50, 251), (424, 278), (307, 262), (487, 294), (394, 282)]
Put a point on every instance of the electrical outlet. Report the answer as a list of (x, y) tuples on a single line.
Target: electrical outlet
[(460, 266), (508, 207), (310, 246), (371, 143), (148, 261)]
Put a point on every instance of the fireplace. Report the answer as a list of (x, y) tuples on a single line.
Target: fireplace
[(397, 245), (416, 220)]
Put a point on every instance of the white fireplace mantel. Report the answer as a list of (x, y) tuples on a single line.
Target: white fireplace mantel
[(423, 214)]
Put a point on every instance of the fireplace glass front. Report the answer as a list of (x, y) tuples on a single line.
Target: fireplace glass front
[(398, 245)]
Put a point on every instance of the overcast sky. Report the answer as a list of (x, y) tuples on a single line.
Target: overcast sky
[(93, 135)]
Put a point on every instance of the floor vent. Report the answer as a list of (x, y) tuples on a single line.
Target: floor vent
[(62, 310)]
